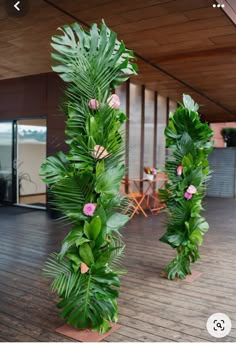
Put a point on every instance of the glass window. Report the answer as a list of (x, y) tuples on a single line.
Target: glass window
[(6, 130)]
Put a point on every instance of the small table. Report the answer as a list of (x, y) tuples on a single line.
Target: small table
[(149, 191)]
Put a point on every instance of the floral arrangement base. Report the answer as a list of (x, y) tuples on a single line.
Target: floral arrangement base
[(189, 278), (86, 335), (150, 177)]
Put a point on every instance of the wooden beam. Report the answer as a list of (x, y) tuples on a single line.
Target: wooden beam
[(203, 54)]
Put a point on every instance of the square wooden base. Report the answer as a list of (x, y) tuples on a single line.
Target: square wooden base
[(189, 278), (86, 335)]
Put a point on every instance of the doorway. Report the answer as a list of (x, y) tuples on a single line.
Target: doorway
[(30, 153), (22, 150), (6, 163)]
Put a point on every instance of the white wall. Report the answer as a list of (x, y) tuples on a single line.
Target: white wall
[(31, 155)]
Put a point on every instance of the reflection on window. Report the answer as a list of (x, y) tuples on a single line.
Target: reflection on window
[(32, 133)]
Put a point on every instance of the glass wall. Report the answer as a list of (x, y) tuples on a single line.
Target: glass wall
[(150, 132), (6, 162), (31, 152)]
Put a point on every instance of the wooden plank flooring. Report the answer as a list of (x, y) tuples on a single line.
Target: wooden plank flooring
[(151, 308)]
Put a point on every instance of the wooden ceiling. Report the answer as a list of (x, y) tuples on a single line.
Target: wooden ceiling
[(183, 46)]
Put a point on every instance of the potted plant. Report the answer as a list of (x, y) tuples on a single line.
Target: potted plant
[(229, 136), (150, 173), (85, 181), (3, 188), (23, 176)]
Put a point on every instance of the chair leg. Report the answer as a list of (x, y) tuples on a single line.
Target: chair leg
[(139, 205), (136, 207)]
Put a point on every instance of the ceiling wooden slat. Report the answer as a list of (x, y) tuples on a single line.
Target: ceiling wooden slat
[(188, 39)]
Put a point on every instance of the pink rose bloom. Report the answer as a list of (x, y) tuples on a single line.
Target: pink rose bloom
[(99, 152), (83, 268), (89, 209), (179, 170), (188, 195), (93, 104), (191, 189), (114, 101)]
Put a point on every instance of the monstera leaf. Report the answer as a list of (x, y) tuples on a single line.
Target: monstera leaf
[(189, 103), (100, 49), (92, 301)]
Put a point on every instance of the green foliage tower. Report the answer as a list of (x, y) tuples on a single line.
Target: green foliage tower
[(85, 181), (188, 141)]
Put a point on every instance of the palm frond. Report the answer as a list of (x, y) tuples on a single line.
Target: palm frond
[(117, 257), (64, 277), (92, 301)]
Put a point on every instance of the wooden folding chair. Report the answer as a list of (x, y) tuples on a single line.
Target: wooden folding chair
[(158, 206), (136, 198)]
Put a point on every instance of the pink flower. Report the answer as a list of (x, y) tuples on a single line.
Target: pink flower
[(154, 171), (99, 152), (114, 101), (188, 195), (89, 209), (93, 104), (191, 189), (83, 268), (179, 170)]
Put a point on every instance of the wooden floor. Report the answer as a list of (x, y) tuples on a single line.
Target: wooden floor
[(151, 308)]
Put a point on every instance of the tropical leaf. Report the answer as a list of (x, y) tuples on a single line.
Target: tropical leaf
[(70, 194), (109, 181), (98, 52), (189, 103), (55, 168), (71, 239), (92, 301), (92, 63), (65, 279), (188, 141), (116, 221)]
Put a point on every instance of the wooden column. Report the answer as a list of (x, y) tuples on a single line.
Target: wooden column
[(142, 134), (127, 133)]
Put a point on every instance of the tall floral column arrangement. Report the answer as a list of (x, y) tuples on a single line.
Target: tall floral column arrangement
[(188, 140), (85, 181)]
